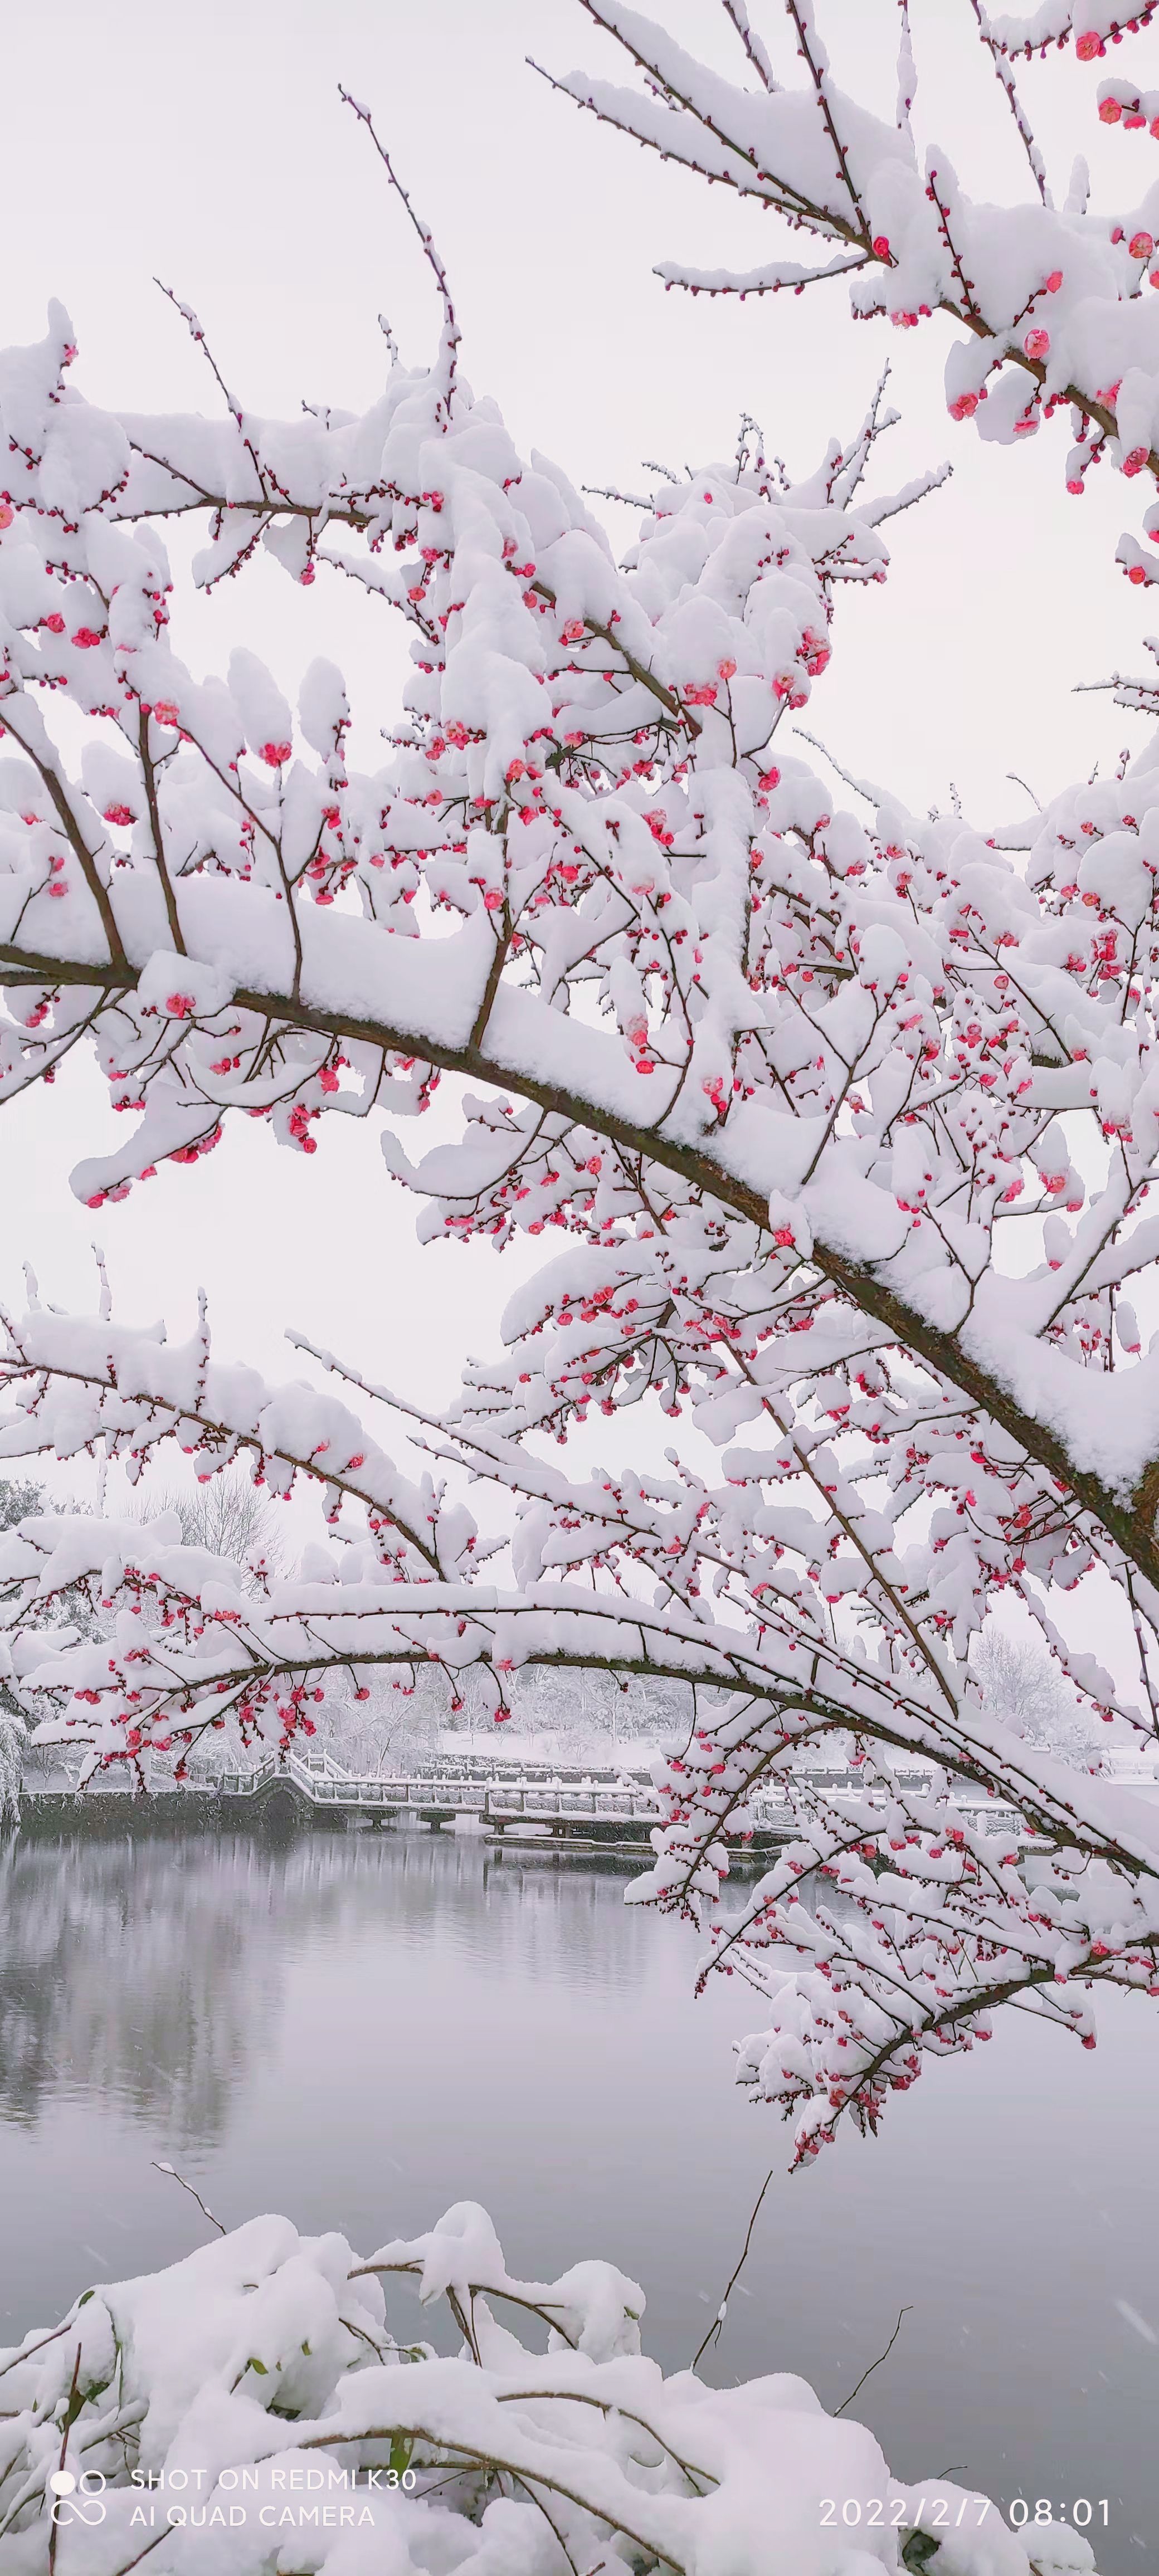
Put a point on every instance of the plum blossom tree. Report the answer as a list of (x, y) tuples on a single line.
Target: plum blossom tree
[(839, 1127)]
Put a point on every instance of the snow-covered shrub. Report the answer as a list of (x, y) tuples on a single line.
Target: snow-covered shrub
[(248, 2410)]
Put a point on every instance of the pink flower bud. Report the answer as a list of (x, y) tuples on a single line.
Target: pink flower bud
[(963, 407), (1141, 245), (1109, 111), (1054, 281), (881, 245), (1037, 344), (276, 753), (1088, 48)]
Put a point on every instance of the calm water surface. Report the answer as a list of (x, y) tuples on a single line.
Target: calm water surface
[(360, 2030)]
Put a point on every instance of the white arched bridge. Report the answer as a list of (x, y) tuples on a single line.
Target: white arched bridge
[(593, 1808)]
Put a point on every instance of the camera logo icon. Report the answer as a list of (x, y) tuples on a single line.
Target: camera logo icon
[(77, 2499)]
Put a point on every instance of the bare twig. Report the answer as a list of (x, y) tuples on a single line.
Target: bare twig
[(425, 235), (66, 2428), (753, 45), (722, 2311), (1005, 76), (549, 2519), (478, 2289), (29, 2349), (128, 2564), (874, 2365), (160, 2167)]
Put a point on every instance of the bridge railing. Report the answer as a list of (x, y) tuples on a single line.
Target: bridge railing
[(501, 1798), (536, 1799)]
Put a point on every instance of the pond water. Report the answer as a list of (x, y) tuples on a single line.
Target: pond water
[(359, 2030)]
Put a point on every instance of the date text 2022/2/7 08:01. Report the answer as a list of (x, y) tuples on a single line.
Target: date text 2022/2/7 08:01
[(882, 2510)]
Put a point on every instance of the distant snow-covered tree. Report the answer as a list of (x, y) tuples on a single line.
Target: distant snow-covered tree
[(1023, 1686), (226, 1517)]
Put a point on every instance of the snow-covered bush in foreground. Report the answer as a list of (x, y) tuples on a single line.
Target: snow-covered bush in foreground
[(248, 2411), (842, 1126)]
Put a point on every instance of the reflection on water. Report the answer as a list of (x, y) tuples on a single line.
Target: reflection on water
[(118, 1979), (361, 2029)]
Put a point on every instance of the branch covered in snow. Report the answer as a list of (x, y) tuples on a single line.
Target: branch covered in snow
[(943, 1920), (843, 1128), (1054, 304)]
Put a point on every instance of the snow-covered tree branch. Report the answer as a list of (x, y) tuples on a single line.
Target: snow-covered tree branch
[(842, 1127)]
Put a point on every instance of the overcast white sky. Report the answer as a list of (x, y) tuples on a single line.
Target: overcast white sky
[(209, 148)]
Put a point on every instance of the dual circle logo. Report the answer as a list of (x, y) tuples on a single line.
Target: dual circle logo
[(77, 2499)]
